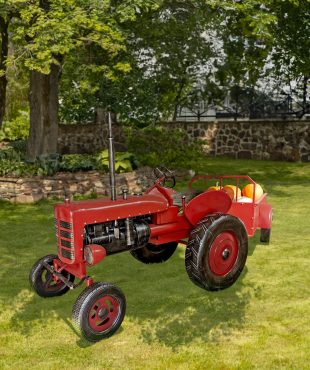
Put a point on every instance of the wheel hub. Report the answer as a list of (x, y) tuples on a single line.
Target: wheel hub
[(223, 253), (103, 313)]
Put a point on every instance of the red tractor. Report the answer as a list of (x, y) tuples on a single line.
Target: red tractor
[(214, 227)]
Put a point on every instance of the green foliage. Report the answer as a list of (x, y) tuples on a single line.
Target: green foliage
[(291, 35), (20, 146), (17, 128), (171, 50), (57, 28), (77, 162), (48, 164), (124, 161), (10, 154), (11, 167), (17, 93), (12, 162), (155, 146)]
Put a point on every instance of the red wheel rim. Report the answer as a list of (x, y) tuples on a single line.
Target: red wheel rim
[(50, 283), (223, 253), (103, 313)]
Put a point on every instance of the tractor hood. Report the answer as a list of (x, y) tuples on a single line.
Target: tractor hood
[(101, 210)]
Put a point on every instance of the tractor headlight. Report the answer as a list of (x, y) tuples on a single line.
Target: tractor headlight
[(94, 253)]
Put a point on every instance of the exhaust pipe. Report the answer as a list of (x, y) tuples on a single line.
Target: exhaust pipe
[(111, 159)]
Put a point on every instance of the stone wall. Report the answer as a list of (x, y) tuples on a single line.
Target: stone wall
[(32, 189), (274, 140), (87, 138), (268, 139)]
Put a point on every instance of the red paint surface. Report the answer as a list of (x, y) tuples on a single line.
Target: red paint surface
[(103, 313), (226, 241), (211, 201)]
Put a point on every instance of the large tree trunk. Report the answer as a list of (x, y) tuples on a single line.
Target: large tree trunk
[(43, 98), (4, 25)]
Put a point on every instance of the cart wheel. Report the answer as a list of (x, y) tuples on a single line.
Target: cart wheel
[(99, 311), (216, 252), (42, 280), (155, 253), (265, 235)]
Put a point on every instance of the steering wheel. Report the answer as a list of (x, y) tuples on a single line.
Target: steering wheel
[(162, 174)]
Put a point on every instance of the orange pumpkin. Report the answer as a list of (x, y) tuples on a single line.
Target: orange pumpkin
[(214, 188), (248, 191), (232, 190)]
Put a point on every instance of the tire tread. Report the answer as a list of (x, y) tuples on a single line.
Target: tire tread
[(78, 314), (195, 250)]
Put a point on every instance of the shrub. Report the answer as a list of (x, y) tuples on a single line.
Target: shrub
[(124, 161), (17, 128), (20, 146), (10, 153), (17, 168), (77, 162), (48, 164), (155, 146)]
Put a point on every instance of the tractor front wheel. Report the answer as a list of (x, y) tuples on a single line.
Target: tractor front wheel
[(155, 253), (44, 283), (216, 252), (99, 311)]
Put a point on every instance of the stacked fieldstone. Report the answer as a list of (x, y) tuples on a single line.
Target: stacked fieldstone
[(87, 138), (32, 189), (274, 140), (268, 139)]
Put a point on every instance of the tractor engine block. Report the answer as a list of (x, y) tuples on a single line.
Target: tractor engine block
[(119, 235)]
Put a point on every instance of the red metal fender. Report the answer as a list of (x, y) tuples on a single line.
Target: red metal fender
[(265, 216), (212, 201)]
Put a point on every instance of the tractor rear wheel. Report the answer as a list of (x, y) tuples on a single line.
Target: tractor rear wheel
[(43, 282), (216, 252), (99, 311), (155, 253)]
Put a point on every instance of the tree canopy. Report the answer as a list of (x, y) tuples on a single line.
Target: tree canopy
[(143, 59)]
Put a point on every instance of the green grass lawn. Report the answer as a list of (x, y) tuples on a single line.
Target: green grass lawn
[(263, 321)]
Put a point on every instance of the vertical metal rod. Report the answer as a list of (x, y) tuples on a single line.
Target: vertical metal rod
[(111, 159)]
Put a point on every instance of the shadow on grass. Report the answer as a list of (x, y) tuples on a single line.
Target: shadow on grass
[(173, 312), (196, 315)]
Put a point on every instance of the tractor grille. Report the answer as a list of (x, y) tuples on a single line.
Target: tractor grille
[(66, 234), (67, 254), (66, 243), (65, 239), (65, 225)]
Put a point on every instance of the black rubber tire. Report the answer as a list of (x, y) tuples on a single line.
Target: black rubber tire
[(265, 235), (83, 306), (41, 279), (198, 249), (155, 253)]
